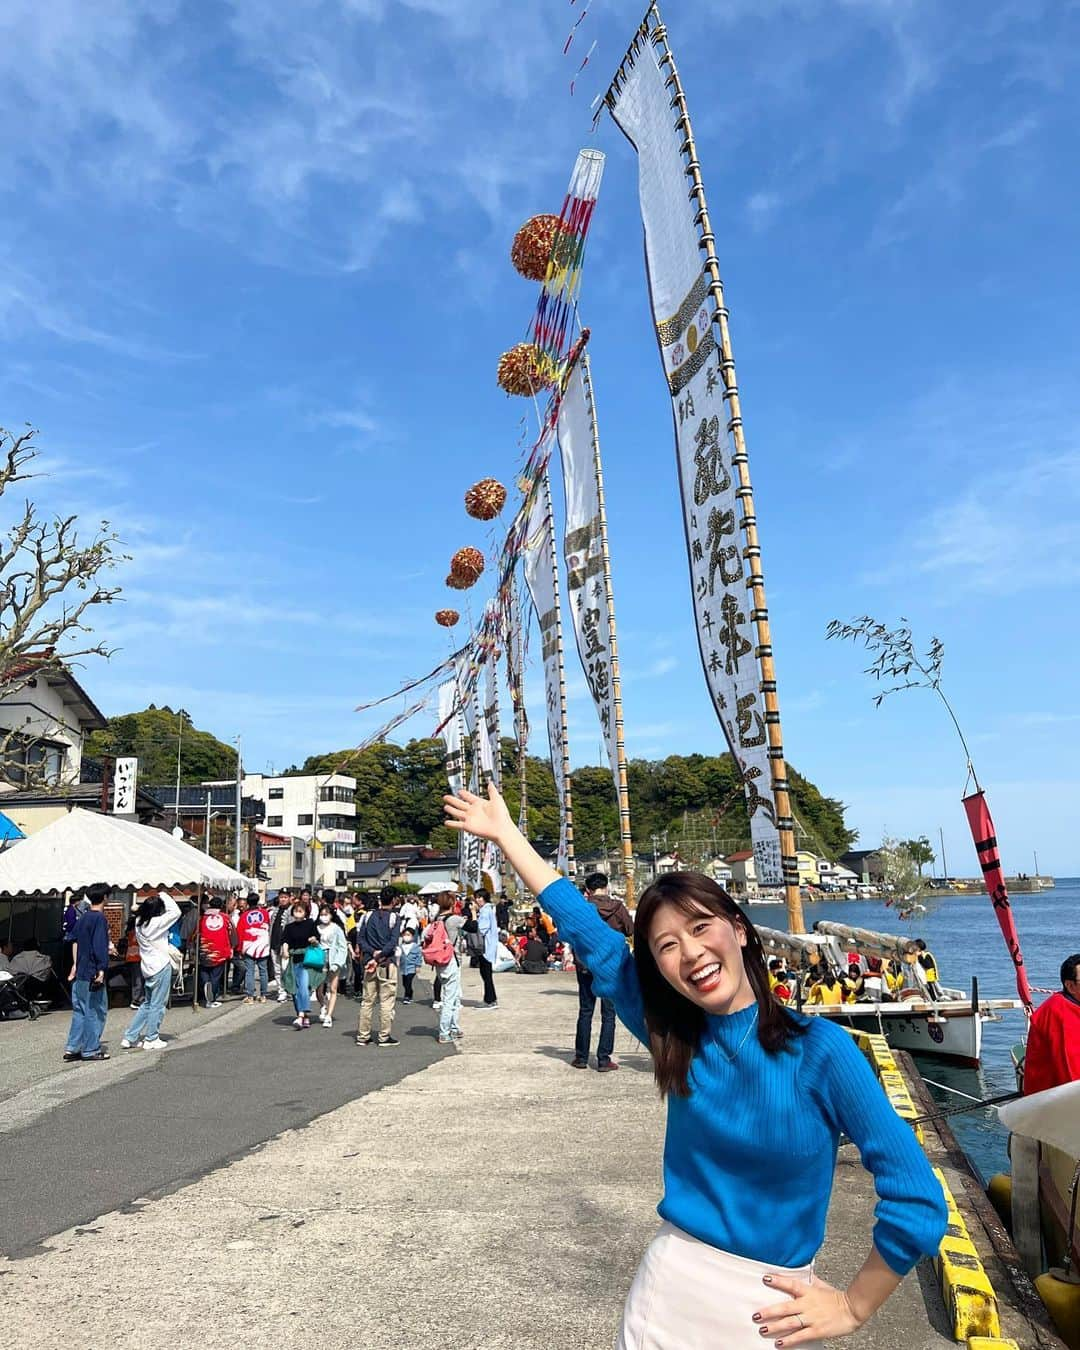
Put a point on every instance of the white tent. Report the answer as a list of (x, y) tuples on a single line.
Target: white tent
[(84, 848)]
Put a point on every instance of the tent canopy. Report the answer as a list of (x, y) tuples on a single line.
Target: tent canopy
[(84, 848)]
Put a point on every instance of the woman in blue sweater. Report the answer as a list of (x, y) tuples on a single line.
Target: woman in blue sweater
[(757, 1098)]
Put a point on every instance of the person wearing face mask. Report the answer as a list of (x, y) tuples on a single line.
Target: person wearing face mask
[(757, 1098), (332, 940), (298, 935)]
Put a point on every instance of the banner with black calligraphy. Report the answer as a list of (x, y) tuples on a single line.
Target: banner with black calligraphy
[(682, 311), (537, 558), (582, 550)]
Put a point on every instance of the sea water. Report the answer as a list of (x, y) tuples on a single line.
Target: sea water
[(963, 934)]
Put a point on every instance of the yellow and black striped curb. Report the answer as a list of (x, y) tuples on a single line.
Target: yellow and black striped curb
[(965, 1286), (877, 1051)]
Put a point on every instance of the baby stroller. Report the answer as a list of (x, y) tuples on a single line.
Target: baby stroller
[(15, 1000)]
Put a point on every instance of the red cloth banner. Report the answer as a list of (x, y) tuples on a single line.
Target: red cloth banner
[(986, 845)]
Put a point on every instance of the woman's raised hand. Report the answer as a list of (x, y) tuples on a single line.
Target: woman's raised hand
[(485, 817)]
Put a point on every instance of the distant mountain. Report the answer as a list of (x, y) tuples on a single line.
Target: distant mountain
[(153, 735)]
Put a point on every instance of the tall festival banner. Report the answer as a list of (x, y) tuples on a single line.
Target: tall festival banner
[(986, 845), (583, 552), (490, 766), (542, 581), (452, 720), (716, 497)]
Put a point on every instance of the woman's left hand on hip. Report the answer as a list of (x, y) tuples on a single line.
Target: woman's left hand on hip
[(815, 1311)]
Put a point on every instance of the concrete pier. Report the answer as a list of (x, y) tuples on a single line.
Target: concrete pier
[(488, 1198)]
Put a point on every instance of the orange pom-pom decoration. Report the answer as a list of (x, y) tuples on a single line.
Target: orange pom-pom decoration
[(467, 565), (446, 618), (484, 500), (457, 583), (520, 371), (531, 249)]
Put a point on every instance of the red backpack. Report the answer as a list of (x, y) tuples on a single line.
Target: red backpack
[(438, 949)]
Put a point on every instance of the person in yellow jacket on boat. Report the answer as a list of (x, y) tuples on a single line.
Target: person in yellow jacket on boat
[(827, 991)]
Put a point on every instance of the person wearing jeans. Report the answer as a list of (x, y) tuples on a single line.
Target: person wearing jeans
[(615, 914), (586, 1008), (89, 999), (253, 937), (156, 916)]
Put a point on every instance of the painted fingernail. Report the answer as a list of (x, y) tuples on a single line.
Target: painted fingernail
[(766, 1279), (764, 1331), (779, 1344), (756, 1317)]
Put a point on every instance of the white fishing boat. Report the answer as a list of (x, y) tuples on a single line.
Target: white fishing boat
[(947, 1027)]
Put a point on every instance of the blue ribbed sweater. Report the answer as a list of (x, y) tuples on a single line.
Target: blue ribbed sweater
[(749, 1156)]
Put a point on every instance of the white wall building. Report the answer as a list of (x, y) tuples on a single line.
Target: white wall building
[(44, 720), (318, 809), (285, 860)]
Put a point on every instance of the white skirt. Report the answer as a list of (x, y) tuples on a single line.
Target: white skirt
[(687, 1295)]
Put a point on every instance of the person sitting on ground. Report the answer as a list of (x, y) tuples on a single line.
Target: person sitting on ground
[(534, 957), (757, 1097), (1053, 1044), (505, 959), (543, 925)]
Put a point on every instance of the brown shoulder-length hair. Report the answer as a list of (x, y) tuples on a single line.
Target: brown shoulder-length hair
[(674, 1023)]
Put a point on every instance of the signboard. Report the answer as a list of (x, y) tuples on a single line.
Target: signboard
[(125, 776)]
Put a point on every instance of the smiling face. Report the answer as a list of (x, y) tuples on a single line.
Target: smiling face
[(700, 954)]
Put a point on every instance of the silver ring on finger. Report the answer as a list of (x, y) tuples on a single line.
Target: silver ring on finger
[(802, 1324)]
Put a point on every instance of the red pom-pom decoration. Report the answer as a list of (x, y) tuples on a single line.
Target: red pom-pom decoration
[(484, 500), (531, 249), (457, 583), (467, 565), (446, 618), (521, 372)]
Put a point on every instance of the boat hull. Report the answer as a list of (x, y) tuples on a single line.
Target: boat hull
[(953, 1034)]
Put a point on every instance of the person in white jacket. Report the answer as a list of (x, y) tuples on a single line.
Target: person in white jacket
[(157, 914)]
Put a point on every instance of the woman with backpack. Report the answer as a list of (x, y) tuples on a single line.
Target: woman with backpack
[(757, 1098), (439, 953)]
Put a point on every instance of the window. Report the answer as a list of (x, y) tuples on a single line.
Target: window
[(298, 861), (276, 794), (271, 821), (336, 794), (337, 823), (336, 850), (32, 763), (304, 820)]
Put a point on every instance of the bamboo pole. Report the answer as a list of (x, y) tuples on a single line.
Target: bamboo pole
[(740, 461), (568, 805), (514, 635), (625, 836)]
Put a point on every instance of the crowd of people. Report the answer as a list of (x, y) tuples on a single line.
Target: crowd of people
[(864, 979), (313, 948)]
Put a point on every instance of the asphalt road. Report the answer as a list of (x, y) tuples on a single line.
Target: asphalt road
[(191, 1110)]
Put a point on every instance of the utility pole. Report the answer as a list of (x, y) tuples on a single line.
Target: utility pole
[(209, 794), (179, 742), (944, 864), (239, 786)]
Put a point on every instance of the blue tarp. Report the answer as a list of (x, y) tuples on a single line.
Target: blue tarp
[(9, 830)]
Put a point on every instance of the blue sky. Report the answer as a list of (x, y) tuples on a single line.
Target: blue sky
[(255, 283)]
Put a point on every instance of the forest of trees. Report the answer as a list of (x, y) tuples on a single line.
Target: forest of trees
[(153, 735), (691, 798)]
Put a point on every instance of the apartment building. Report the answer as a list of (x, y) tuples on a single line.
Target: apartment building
[(318, 809)]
